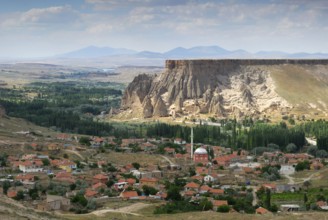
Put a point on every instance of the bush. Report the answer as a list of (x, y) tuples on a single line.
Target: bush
[(291, 148), (223, 208)]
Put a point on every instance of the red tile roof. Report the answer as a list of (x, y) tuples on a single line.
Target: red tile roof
[(192, 185), (189, 193), (261, 211), (26, 177), (219, 202), (100, 177), (129, 194), (205, 188), (90, 192), (99, 186), (11, 194), (217, 191)]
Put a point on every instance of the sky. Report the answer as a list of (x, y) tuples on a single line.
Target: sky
[(39, 28)]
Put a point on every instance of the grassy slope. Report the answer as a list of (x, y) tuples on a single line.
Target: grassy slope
[(300, 85)]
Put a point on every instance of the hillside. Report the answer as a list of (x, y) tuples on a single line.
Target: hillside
[(230, 88)]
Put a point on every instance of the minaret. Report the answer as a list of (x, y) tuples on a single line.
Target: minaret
[(192, 143)]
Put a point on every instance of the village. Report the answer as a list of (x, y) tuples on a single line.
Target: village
[(74, 174)]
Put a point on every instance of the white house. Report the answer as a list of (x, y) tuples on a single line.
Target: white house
[(287, 170), (209, 178), (31, 166)]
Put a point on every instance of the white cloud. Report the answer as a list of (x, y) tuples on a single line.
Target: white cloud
[(99, 28), (38, 16)]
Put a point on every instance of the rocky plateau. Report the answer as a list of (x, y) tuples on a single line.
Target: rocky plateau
[(228, 88)]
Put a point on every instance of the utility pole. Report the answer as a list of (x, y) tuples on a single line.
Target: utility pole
[(192, 143)]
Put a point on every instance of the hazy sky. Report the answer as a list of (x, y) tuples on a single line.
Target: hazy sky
[(30, 28)]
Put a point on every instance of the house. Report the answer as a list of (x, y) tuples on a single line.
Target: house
[(12, 194), (64, 137), (54, 202), (218, 203), (90, 193), (197, 177), (316, 165), (191, 186), (225, 160), (261, 211), (99, 186), (65, 164), (153, 182), (202, 170), (189, 193), (129, 195), (217, 192), (179, 141), (209, 179), (271, 186), (25, 178), (119, 186), (64, 177), (290, 208), (53, 147), (100, 178), (36, 146), (31, 166), (287, 170), (322, 205), (204, 189), (101, 163), (169, 150), (287, 188)]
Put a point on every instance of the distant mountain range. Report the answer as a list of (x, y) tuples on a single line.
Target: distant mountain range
[(186, 53)]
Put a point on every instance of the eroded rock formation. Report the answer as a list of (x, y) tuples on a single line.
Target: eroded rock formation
[(215, 87)]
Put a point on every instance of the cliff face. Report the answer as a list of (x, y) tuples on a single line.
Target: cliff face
[(216, 87)]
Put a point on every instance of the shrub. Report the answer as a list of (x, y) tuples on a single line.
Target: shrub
[(223, 208)]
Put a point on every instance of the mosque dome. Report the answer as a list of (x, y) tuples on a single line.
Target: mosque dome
[(200, 150)]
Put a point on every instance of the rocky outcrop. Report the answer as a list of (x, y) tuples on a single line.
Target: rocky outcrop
[(216, 87)]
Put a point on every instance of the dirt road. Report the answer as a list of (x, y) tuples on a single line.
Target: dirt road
[(124, 210)]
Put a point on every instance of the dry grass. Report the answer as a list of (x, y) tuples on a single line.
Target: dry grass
[(301, 86), (124, 158), (207, 215)]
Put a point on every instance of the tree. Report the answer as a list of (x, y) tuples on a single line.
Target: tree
[(273, 208), (72, 186), (307, 184), (85, 141), (33, 193), (173, 193), (205, 205), (302, 166), (5, 186), (291, 148), (148, 190), (45, 162), (136, 165), (322, 154), (305, 198), (20, 195), (312, 150), (92, 205), (267, 202)]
